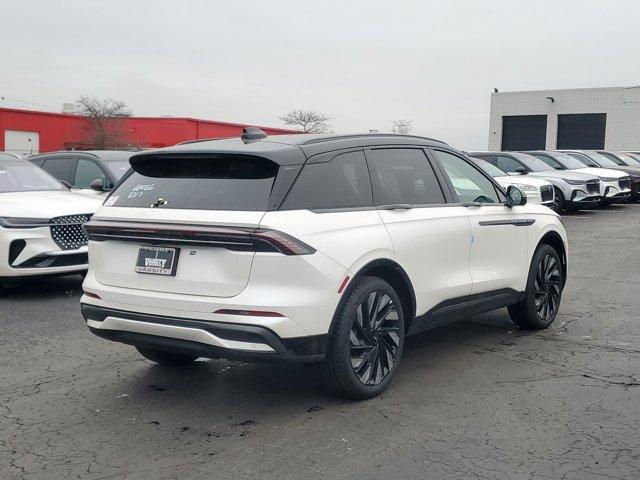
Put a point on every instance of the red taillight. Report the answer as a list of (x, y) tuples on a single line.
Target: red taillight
[(284, 243), (92, 295), (248, 313)]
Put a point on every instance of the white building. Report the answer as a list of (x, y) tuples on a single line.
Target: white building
[(585, 118)]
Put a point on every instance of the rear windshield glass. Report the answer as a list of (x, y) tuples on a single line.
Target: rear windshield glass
[(202, 182)]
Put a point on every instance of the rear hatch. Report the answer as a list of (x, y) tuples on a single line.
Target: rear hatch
[(183, 224)]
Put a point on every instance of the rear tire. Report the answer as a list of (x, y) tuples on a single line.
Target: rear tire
[(166, 358), (541, 302), (558, 200), (366, 345)]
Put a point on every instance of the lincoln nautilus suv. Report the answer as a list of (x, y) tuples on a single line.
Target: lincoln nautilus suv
[(40, 223), (313, 248), (537, 190), (573, 190)]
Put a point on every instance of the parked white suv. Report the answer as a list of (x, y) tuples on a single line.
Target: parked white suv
[(537, 190), (313, 248), (40, 223)]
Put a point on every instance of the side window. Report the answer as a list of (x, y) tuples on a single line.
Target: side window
[(61, 168), (403, 175), (342, 182), (469, 183), (86, 172), (507, 164), (548, 160)]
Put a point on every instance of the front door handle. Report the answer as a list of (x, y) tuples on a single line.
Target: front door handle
[(396, 206), (471, 204)]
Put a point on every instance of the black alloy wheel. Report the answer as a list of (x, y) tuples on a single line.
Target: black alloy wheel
[(547, 287), (540, 303), (366, 340), (374, 338)]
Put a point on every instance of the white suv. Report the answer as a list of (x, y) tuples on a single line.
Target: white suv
[(312, 248)]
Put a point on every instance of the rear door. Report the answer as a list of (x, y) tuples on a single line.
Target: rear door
[(499, 243), (431, 236), (181, 224)]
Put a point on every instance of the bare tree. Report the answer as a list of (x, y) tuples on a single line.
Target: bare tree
[(106, 129), (308, 121), (401, 126)]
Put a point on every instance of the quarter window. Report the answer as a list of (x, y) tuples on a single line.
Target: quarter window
[(342, 182), (468, 182), (403, 175)]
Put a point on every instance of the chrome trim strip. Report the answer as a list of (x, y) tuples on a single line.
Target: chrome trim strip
[(516, 222), (172, 331)]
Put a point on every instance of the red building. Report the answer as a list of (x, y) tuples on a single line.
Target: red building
[(27, 131)]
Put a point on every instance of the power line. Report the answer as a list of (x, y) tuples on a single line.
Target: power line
[(24, 102)]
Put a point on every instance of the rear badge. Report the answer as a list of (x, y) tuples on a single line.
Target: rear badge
[(157, 260)]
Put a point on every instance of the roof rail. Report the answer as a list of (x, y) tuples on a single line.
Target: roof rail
[(330, 138)]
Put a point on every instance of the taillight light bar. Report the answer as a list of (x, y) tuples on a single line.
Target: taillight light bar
[(284, 243), (233, 238)]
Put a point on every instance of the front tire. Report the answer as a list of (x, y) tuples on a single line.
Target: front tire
[(166, 359), (541, 302), (366, 345), (558, 200)]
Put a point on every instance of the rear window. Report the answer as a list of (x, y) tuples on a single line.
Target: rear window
[(201, 182)]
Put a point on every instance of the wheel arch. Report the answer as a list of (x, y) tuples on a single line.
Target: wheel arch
[(392, 273)]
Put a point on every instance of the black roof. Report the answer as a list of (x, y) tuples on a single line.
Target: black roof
[(291, 149)]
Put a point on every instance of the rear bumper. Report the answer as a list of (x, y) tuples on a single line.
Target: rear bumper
[(208, 339)]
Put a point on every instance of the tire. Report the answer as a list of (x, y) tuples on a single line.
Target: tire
[(363, 356), (558, 200), (541, 302), (166, 358)]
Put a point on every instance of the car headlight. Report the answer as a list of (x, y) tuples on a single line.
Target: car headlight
[(525, 188), (21, 222), (575, 182)]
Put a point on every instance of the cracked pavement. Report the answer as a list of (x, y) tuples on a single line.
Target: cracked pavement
[(476, 400)]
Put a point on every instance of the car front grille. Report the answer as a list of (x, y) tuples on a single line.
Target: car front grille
[(67, 231), (624, 183), (546, 193), (593, 186)]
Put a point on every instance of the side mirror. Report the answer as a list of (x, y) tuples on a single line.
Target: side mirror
[(558, 167), (515, 197), (97, 185), (521, 170)]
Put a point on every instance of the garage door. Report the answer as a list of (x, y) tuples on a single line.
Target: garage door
[(524, 132), (582, 131), (21, 142)]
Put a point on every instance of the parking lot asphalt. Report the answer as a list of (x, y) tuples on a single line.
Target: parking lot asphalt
[(477, 399)]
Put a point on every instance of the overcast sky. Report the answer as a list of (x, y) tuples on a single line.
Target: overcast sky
[(364, 63)]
